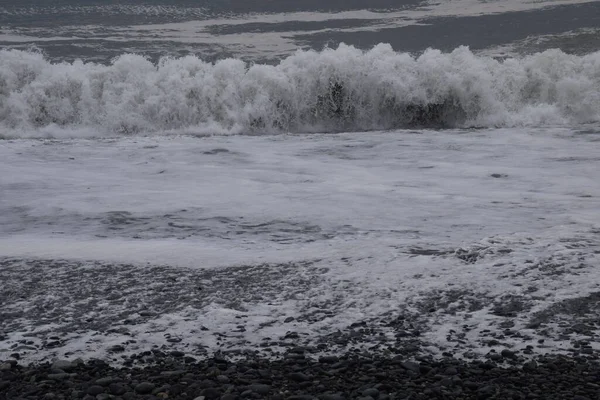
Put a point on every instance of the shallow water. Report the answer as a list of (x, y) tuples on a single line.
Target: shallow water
[(484, 226)]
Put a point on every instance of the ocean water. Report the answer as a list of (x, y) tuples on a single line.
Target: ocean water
[(212, 176)]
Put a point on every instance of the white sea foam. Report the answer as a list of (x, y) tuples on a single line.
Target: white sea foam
[(389, 220), (343, 89)]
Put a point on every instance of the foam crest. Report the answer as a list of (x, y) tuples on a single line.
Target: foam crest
[(343, 89)]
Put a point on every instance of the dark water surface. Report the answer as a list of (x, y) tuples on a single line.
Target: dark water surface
[(270, 30)]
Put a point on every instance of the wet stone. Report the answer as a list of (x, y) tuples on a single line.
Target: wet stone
[(144, 388), (104, 381), (371, 392), (411, 366), (59, 376), (508, 354), (64, 365), (298, 377), (211, 393), (95, 390), (260, 389), (117, 389)]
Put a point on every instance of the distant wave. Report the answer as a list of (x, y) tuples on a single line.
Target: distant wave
[(343, 89)]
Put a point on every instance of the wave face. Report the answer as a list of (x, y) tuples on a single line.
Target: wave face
[(343, 89)]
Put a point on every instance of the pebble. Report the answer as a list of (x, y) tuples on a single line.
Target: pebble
[(298, 377), (371, 392), (59, 377), (508, 354), (117, 389), (328, 359), (411, 366), (104, 381), (64, 365), (350, 376), (144, 388), (211, 393), (95, 390), (260, 389)]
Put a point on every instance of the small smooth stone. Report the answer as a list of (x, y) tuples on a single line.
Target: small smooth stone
[(371, 392), (59, 377), (211, 393), (328, 359), (411, 366), (104, 381), (508, 354), (65, 365), (117, 389), (144, 388), (95, 390), (260, 389), (298, 377)]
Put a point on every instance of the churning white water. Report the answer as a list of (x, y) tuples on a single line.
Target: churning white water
[(343, 89)]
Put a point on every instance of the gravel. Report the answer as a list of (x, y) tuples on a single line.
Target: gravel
[(352, 376)]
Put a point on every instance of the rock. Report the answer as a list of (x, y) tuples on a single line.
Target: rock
[(117, 389), (95, 390), (260, 389), (211, 393), (144, 388), (508, 354), (5, 366), (104, 381), (411, 366), (530, 366), (486, 391), (229, 396), (103, 396), (59, 376), (371, 392), (301, 397), (173, 373), (328, 359), (117, 349), (336, 396), (288, 320), (298, 377), (65, 365), (177, 353), (223, 379)]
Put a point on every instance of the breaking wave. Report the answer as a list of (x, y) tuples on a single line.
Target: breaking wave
[(343, 89)]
